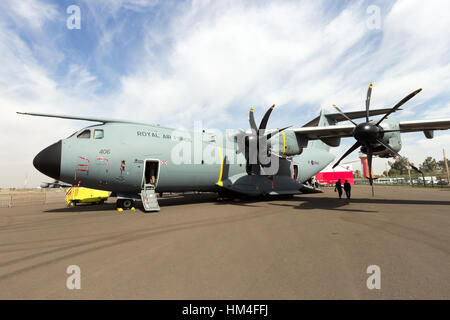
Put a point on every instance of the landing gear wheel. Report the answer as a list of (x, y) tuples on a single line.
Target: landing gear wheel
[(127, 204)]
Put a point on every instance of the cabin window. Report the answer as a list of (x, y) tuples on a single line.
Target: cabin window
[(98, 134), (86, 134)]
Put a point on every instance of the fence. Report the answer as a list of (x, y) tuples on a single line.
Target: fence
[(430, 181), (27, 198)]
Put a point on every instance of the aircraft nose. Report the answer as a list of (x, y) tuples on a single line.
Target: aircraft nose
[(48, 161)]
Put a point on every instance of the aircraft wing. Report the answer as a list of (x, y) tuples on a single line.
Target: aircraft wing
[(314, 133), (94, 119), (411, 126), (337, 117)]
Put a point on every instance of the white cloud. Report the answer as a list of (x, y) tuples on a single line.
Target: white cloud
[(229, 56), (416, 147), (26, 85), (31, 13)]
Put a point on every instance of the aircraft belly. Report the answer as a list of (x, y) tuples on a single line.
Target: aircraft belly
[(256, 185)]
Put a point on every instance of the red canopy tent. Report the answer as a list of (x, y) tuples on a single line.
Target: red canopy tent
[(332, 176)]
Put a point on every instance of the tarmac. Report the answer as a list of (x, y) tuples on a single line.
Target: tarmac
[(312, 246)]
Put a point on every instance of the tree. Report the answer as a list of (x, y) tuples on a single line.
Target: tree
[(357, 174), (441, 165), (429, 165), (399, 166)]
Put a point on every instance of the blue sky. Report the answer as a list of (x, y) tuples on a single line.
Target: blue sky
[(176, 62)]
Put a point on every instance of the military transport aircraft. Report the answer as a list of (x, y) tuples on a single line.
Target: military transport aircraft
[(136, 160)]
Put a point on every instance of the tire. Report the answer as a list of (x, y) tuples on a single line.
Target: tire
[(127, 204)]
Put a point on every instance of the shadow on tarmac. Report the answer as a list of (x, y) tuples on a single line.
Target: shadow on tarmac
[(331, 203), (299, 202)]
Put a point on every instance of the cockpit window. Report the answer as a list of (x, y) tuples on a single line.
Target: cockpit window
[(98, 134), (86, 134)]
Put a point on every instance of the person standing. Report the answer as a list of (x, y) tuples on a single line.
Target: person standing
[(338, 188), (347, 189)]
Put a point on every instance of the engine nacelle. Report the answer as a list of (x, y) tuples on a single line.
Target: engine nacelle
[(391, 138), (287, 143)]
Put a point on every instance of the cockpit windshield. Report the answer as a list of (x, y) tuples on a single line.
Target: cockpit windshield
[(86, 134)]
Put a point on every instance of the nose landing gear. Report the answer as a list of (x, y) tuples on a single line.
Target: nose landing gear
[(125, 204)]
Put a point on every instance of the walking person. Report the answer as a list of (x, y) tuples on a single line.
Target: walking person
[(338, 188), (347, 189)]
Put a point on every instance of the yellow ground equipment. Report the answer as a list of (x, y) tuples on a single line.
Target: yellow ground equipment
[(76, 195)]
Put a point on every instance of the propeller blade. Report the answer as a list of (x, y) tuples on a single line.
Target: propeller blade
[(399, 104), (352, 148), (415, 168), (387, 146), (343, 114), (369, 94), (369, 162), (251, 119), (265, 119), (270, 135)]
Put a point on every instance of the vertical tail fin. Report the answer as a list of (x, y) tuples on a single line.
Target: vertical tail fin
[(323, 122)]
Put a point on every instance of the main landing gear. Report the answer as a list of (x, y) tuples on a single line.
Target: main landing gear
[(125, 204)]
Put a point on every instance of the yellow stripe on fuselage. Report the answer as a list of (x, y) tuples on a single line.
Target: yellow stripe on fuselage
[(284, 141), (219, 182)]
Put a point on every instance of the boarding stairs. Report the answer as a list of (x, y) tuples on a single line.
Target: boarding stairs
[(149, 200)]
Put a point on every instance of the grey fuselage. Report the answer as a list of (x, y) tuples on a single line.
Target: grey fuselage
[(116, 161)]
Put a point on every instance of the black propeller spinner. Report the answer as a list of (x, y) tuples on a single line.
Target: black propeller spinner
[(253, 144), (369, 134)]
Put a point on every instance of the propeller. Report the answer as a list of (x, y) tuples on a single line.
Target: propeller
[(253, 143), (369, 134)]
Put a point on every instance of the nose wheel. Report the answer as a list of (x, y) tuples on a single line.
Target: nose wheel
[(125, 204)]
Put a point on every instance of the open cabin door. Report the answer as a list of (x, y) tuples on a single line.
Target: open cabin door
[(149, 182)]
